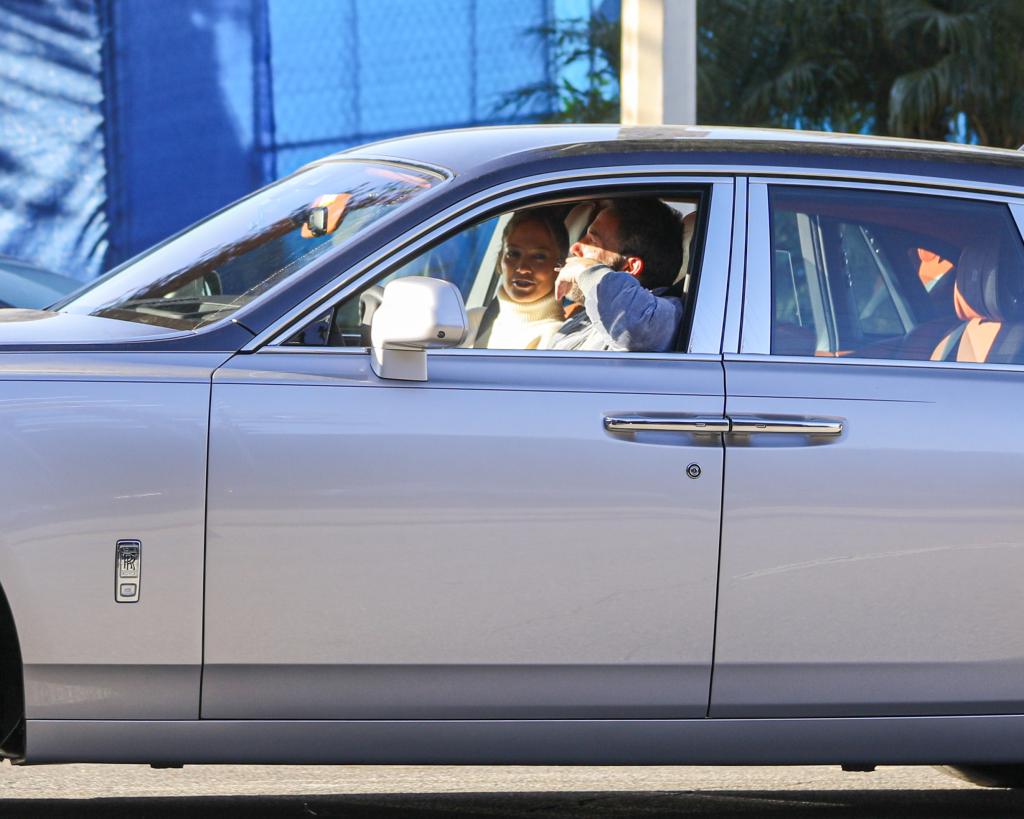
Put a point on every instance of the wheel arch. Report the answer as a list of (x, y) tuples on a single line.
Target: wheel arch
[(12, 684)]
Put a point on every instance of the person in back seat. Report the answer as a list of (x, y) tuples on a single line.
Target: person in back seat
[(621, 271), (988, 296)]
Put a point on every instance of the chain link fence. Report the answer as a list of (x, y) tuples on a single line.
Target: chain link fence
[(344, 72)]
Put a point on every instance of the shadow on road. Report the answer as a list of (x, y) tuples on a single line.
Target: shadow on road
[(877, 804)]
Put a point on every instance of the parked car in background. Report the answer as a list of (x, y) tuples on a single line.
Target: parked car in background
[(797, 537), (25, 285)]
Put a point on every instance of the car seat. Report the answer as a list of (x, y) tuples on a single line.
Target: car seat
[(989, 301)]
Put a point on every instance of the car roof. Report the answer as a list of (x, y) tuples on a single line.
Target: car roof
[(466, 150)]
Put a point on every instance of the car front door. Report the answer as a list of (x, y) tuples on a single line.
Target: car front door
[(872, 528), (478, 545)]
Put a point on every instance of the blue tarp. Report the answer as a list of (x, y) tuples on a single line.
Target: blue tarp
[(180, 86), (52, 164)]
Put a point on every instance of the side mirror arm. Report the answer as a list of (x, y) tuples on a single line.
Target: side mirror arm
[(399, 364)]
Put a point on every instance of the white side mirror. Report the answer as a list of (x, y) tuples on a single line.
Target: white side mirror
[(415, 313)]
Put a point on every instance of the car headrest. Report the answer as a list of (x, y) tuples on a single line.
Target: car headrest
[(982, 289), (689, 225), (578, 220)]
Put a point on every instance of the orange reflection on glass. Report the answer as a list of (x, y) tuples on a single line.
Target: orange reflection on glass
[(932, 267)]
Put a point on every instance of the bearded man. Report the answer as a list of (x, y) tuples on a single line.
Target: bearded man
[(620, 271)]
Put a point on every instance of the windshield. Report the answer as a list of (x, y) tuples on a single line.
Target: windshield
[(224, 262)]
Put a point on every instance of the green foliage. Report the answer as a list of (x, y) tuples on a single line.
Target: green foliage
[(934, 69), (586, 48)]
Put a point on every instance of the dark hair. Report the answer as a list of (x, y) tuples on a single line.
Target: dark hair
[(550, 218), (650, 229)]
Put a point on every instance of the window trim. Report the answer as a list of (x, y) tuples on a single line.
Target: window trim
[(712, 283), (532, 355), (737, 267), (755, 329), (850, 361)]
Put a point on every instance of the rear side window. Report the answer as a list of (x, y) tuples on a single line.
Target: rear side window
[(897, 276)]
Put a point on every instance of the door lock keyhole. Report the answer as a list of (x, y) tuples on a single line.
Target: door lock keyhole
[(693, 470)]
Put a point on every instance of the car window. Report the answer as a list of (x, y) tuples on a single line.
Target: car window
[(897, 276), (462, 260), (505, 268), (224, 262)]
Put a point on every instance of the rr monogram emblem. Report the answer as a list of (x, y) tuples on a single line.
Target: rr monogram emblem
[(127, 571)]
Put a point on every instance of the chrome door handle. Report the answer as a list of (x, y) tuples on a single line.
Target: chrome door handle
[(665, 423), (785, 426)]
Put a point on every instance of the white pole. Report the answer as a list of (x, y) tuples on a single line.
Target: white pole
[(659, 62)]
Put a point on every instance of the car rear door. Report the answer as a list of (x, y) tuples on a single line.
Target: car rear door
[(478, 545), (872, 538)]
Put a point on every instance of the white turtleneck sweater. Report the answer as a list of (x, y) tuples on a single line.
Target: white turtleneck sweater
[(524, 326)]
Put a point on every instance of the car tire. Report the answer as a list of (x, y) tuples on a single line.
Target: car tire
[(988, 776)]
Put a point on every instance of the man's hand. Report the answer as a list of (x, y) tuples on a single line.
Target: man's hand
[(565, 284)]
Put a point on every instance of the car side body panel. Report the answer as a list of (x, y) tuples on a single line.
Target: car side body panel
[(477, 545), (863, 741), (877, 573), (100, 448)]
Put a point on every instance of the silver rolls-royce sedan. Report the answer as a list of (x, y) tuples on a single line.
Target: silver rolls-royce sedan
[(297, 486)]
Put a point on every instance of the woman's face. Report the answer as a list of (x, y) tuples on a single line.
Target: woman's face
[(528, 262)]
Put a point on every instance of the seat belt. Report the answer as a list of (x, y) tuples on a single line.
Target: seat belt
[(483, 333)]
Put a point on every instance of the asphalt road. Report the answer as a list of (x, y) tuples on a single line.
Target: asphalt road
[(232, 792)]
